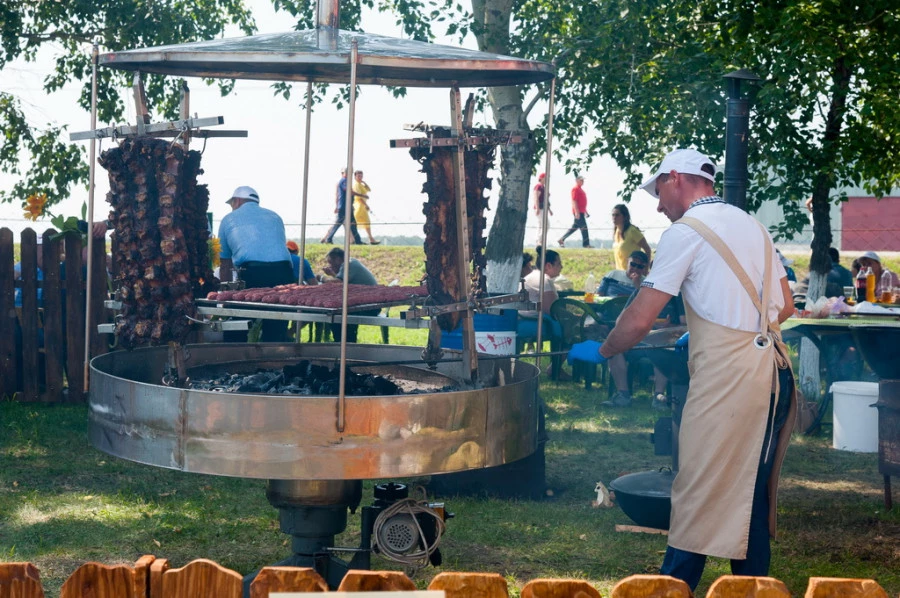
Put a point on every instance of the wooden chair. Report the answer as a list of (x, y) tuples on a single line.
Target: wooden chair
[(102, 581), (644, 586), (470, 585), (201, 578), (358, 580), (740, 586), (20, 580), (286, 579), (836, 587), (559, 588)]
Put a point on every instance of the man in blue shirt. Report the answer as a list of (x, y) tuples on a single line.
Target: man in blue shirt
[(253, 241), (340, 205)]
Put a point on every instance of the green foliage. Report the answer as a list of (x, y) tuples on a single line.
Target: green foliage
[(70, 225), (69, 28), (636, 79)]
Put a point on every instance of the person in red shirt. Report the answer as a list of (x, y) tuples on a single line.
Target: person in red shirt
[(579, 210)]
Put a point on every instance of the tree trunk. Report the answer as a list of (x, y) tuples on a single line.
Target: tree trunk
[(507, 234), (820, 263)]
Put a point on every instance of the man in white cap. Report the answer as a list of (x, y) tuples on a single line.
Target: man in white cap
[(253, 241), (740, 406)]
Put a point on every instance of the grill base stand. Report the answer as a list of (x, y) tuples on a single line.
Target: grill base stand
[(313, 513)]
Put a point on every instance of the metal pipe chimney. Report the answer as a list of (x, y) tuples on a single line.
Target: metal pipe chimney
[(328, 23), (737, 127), (328, 14)]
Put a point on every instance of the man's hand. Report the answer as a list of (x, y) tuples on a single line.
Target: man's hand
[(588, 351)]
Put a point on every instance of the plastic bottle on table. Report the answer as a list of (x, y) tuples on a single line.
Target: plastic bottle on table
[(590, 287), (887, 291), (870, 285), (861, 286)]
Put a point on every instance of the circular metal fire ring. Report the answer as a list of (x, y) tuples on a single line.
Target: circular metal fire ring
[(133, 416)]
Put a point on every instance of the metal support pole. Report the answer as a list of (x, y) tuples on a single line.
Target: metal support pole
[(90, 216), (545, 219), (464, 255), (348, 213), (305, 195), (737, 126)]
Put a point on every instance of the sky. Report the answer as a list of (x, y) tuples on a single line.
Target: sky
[(271, 158)]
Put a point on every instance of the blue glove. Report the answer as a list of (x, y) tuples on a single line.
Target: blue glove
[(683, 341), (588, 351)]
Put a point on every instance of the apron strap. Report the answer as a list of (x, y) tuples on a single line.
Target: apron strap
[(723, 250)]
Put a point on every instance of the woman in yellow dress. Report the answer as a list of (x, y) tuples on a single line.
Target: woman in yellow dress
[(626, 236), (361, 207)]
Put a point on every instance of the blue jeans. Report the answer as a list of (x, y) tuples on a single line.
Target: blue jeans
[(688, 566)]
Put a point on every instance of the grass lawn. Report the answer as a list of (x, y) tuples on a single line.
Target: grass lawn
[(63, 503)]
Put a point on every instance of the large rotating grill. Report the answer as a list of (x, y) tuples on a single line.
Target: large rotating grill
[(315, 450)]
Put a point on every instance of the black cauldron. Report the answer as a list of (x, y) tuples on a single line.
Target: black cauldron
[(646, 496)]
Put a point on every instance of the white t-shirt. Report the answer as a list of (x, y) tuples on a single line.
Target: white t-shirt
[(533, 286), (686, 262)]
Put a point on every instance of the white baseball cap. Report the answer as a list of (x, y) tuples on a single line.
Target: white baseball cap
[(244, 192), (683, 161), (869, 255)]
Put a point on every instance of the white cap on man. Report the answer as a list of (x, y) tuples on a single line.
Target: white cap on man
[(682, 161), (244, 192), (871, 255)]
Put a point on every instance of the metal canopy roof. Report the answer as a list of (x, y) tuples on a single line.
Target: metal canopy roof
[(323, 55)]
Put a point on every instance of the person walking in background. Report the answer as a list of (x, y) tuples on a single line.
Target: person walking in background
[(627, 238), (361, 208), (540, 201), (340, 204), (579, 211)]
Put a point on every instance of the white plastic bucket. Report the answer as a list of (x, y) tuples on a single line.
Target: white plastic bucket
[(494, 334), (855, 420)]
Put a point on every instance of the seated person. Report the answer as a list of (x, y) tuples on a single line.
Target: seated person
[(871, 260), (356, 273), (550, 328), (787, 266), (308, 276), (834, 280), (527, 264), (841, 274), (620, 283), (673, 315)]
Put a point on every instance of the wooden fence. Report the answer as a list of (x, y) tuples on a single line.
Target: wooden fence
[(42, 341), (151, 577)]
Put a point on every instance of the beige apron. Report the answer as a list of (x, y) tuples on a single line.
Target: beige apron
[(723, 427)]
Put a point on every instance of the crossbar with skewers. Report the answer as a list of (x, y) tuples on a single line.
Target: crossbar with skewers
[(185, 128)]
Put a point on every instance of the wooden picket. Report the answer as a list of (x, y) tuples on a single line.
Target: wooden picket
[(42, 341), (151, 577)]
